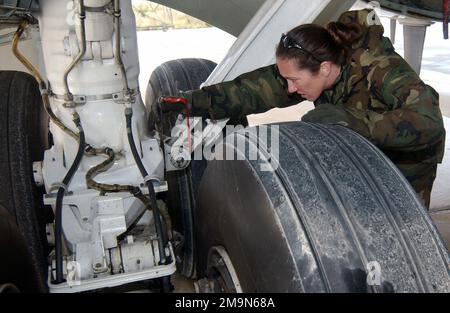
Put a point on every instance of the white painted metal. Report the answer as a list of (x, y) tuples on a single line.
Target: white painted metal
[(103, 120), (83, 211), (37, 173), (108, 281), (414, 31), (96, 3), (136, 256), (108, 220), (92, 222)]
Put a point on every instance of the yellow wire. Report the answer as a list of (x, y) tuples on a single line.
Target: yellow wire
[(44, 93)]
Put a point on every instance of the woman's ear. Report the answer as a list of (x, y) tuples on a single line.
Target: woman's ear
[(325, 68)]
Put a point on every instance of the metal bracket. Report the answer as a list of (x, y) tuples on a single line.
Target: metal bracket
[(118, 97)]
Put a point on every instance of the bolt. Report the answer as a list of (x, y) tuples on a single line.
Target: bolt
[(98, 265), (138, 262)]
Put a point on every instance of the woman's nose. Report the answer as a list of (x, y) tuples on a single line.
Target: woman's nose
[(291, 87)]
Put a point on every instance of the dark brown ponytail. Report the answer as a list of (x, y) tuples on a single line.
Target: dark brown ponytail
[(345, 34)]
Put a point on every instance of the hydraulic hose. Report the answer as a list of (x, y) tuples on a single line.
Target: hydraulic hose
[(40, 81), (102, 167), (82, 16), (163, 212), (162, 238), (117, 55), (59, 200)]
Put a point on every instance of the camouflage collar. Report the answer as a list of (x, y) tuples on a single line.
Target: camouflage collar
[(341, 76)]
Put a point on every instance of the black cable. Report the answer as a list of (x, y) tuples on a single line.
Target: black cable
[(59, 201), (162, 240)]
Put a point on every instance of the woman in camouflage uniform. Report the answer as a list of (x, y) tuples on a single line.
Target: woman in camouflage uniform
[(356, 79)]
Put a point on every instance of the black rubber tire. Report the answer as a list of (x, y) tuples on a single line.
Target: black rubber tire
[(334, 204), (24, 130), (169, 79), (15, 263)]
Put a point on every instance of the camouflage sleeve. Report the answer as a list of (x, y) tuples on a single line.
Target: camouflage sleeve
[(252, 92), (413, 120)]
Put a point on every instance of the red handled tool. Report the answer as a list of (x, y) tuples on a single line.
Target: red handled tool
[(184, 102)]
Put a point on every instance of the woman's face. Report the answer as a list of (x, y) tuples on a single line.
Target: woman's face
[(307, 84)]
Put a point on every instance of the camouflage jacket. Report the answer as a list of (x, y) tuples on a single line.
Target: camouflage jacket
[(376, 86)]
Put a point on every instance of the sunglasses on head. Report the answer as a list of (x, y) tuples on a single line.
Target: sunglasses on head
[(290, 43)]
